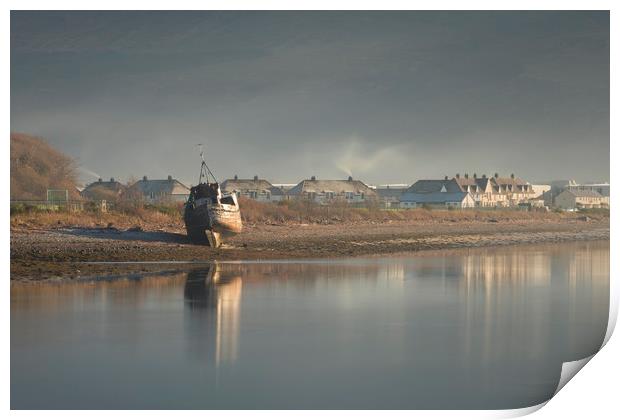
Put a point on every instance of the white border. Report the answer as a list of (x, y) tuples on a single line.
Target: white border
[(593, 394)]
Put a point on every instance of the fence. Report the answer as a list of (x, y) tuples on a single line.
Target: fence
[(58, 196), (59, 205)]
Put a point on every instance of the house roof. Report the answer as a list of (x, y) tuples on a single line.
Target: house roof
[(481, 183), (584, 193), (336, 186), (602, 184), (434, 197), (161, 186), (434, 185), (510, 181), (243, 185), (390, 191), (465, 181), (99, 189), (108, 185)]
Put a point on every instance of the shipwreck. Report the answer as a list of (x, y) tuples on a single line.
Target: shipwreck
[(210, 215)]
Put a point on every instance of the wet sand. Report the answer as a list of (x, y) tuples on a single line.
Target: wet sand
[(52, 254)]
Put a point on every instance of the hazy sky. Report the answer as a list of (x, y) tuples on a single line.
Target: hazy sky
[(389, 96)]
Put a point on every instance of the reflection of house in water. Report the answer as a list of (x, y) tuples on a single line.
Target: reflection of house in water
[(213, 299), (525, 290)]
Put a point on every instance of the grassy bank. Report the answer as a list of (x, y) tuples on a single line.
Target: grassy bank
[(170, 217), (312, 213)]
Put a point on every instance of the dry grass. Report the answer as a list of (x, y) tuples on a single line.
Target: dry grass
[(149, 218), (304, 212)]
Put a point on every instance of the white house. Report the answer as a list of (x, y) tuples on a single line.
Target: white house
[(160, 190), (457, 200), (255, 189), (569, 199), (323, 191)]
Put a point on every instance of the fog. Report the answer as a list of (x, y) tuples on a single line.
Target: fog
[(383, 96)]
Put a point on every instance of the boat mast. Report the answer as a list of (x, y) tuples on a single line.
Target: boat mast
[(204, 169)]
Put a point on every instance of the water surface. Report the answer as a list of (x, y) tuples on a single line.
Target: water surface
[(468, 329)]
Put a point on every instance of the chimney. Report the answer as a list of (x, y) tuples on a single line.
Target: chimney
[(144, 178), (512, 176), (312, 178), (496, 175), (111, 179), (466, 176), (255, 177), (100, 180), (236, 177), (350, 178), (169, 177), (475, 176)]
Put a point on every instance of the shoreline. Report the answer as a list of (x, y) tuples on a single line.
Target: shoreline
[(70, 253)]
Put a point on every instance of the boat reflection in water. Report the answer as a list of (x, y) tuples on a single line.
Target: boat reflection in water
[(213, 302)]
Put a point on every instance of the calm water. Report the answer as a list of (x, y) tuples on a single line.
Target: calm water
[(484, 328)]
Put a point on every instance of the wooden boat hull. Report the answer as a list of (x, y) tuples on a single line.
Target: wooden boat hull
[(224, 219), (209, 223)]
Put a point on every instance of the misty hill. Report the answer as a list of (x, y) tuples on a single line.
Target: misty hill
[(36, 166)]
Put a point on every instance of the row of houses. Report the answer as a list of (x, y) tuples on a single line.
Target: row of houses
[(172, 190), (456, 192), (148, 190), (450, 192)]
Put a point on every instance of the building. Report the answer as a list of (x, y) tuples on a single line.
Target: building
[(160, 190), (533, 203), (284, 187), (514, 189), (576, 199), (110, 190), (540, 189), (424, 186), (389, 194), (483, 190), (457, 200), (601, 188), (556, 187), (323, 191), (255, 189), (437, 193)]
